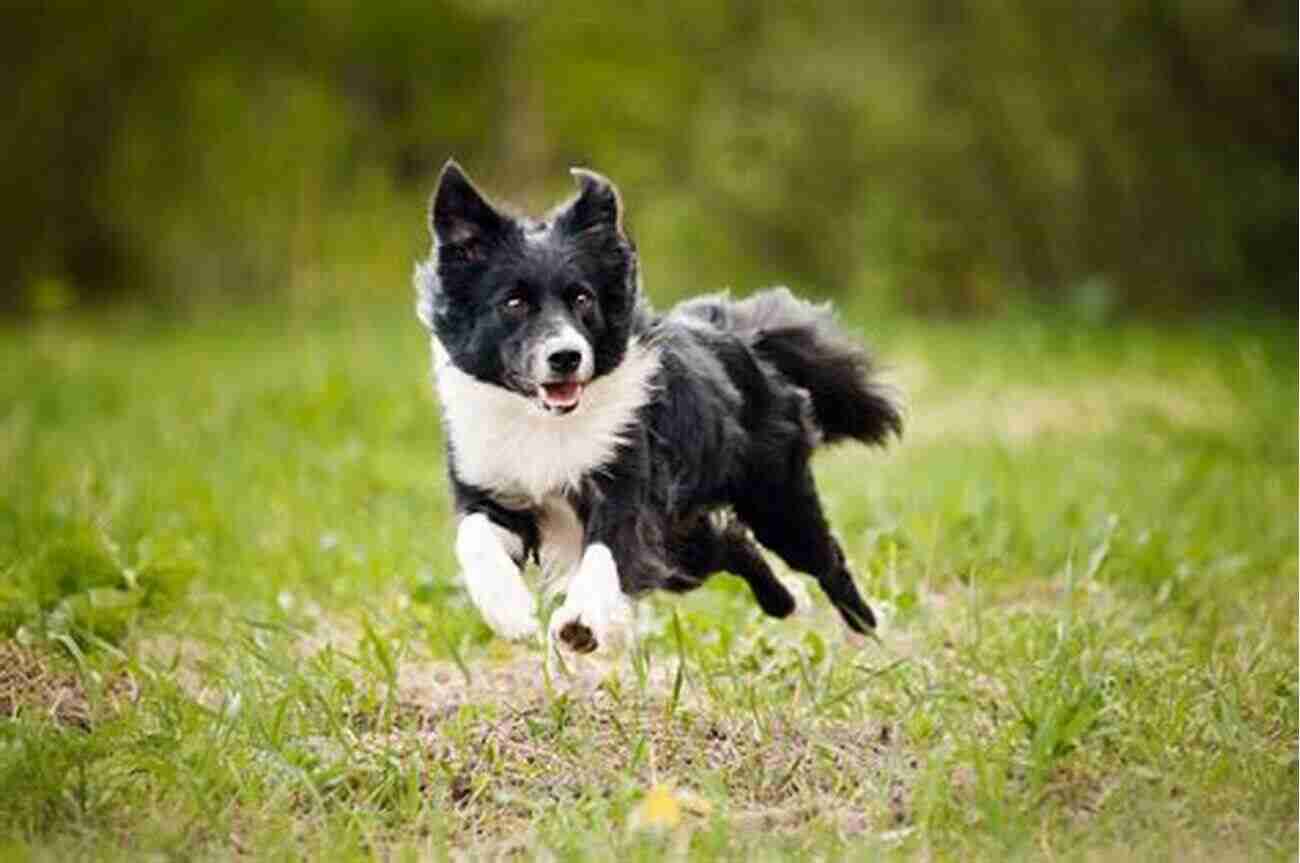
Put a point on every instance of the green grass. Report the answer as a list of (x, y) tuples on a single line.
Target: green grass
[(230, 622)]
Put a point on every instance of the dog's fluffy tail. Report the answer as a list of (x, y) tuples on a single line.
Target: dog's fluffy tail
[(807, 346)]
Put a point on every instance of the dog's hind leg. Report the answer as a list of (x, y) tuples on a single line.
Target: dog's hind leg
[(710, 546), (743, 558), (788, 519)]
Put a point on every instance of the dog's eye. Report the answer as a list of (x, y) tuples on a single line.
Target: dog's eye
[(583, 299), (515, 306)]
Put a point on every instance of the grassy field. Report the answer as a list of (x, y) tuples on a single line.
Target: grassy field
[(230, 623)]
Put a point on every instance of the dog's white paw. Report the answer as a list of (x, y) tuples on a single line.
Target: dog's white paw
[(493, 580), (508, 607), (595, 613)]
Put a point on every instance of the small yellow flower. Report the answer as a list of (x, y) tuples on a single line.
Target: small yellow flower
[(658, 810)]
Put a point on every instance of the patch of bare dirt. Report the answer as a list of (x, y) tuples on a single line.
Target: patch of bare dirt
[(34, 684), (505, 748), (505, 739)]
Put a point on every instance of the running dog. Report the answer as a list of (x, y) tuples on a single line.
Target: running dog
[(622, 449)]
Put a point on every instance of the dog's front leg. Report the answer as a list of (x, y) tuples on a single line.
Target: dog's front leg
[(493, 578), (596, 612), (624, 558)]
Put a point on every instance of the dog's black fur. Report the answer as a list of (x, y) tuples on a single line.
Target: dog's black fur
[(719, 454)]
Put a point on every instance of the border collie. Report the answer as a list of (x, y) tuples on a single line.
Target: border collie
[(623, 450)]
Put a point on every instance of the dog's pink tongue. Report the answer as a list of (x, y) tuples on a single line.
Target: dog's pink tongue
[(562, 395)]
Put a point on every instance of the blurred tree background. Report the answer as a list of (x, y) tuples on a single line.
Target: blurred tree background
[(942, 156)]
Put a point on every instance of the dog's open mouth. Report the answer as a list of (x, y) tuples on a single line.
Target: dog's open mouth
[(561, 397)]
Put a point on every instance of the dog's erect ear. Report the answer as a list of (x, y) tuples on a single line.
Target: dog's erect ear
[(597, 204), (458, 214)]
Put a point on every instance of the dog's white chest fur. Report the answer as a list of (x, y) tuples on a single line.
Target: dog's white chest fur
[(506, 443)]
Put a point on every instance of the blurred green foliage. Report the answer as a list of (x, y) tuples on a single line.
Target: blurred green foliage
[(943, 156)]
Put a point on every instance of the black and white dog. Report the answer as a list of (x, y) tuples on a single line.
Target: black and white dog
[(624, 450)]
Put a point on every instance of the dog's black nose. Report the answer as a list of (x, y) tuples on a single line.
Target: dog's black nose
[(563, 362)]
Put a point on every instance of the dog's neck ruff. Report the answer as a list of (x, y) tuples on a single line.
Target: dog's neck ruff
[(506, 443)]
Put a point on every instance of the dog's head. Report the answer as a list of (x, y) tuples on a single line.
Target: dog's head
[(539, 307)]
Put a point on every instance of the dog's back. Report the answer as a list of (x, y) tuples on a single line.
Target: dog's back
[(804, 344)]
